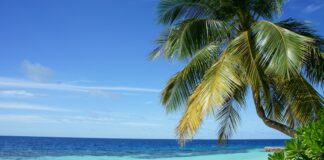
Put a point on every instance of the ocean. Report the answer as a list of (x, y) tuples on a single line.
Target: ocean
[(41, 148)]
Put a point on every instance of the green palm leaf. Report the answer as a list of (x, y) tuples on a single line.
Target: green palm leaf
[(171, 11), (181, 85), (267, 9), (293, 102), (281, 51), (228, 115), (314, 64), (276, 109), (244, 50), (184, 39), (302, 99), (174, 11)]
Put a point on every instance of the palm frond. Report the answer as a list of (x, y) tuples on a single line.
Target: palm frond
[(182, 41), (290, 119), (303, 100), (219, 84), (298, 27), (313, 68), (281, 51), (174, 11), (171, 11), (180, 86), (275, 110), (228, 115), (278, 109), (314, 65), (267, 9), (246, 52), (294, 102)]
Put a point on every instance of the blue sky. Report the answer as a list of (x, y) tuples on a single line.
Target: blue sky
[(79, 68)]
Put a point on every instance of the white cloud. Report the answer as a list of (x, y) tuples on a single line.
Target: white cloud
[(26, 106), (36, 71), (15, 93), (9, 82), (313, 7), (71, 120)]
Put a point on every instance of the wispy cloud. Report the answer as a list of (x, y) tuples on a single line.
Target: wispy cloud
[(16, 93), (35, 107), (9, 82), (82, 81), (313, 7), (85, 119), (23, 118), (31, 118), (36, 71)]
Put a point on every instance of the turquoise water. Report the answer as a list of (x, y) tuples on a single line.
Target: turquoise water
[(36, 148), (251, 155)]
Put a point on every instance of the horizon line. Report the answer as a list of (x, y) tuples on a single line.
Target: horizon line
[(66, 137)]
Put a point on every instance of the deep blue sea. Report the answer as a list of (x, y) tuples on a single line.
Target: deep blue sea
[(21, 148)]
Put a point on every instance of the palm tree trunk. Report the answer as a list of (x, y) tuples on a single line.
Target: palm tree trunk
[(270, 123)]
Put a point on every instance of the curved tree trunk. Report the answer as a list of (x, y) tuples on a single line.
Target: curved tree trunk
[(270, 123)]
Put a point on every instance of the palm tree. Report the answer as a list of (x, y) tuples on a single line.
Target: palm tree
[(232, 47)]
